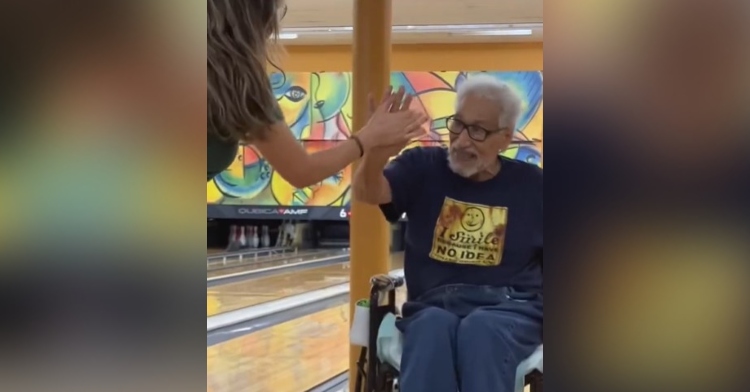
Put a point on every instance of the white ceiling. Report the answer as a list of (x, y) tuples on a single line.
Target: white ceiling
[(339, 13)]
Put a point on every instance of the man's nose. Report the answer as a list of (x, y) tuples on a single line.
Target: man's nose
[(463, 139)]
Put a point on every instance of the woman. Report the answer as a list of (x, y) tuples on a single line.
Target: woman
[(243, 109)]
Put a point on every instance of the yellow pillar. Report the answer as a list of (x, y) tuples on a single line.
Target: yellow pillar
[(369, 232)]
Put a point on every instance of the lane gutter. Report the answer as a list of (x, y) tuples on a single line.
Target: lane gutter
[(337, 383), (249, 252), (268, 259), (231, 325), (259, 273)]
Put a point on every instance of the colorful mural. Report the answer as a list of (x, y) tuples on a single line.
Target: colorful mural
[(318, 109)]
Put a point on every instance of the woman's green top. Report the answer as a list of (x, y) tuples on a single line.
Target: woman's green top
[(220, 154)]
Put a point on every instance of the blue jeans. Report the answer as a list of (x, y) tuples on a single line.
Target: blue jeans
[(468, 338)]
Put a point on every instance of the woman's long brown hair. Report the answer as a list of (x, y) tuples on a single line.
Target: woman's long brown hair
[(241, 104)]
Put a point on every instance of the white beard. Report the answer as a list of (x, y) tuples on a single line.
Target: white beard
[(463, 170)]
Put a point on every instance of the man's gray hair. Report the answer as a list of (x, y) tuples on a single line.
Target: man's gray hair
[(500, 93)]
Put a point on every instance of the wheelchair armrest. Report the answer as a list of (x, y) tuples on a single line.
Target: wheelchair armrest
[(386, 282)]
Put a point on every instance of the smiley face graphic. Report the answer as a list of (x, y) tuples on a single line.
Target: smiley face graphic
[(472, 219)]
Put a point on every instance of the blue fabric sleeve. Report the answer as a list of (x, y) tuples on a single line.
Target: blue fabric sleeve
[(405, 174)]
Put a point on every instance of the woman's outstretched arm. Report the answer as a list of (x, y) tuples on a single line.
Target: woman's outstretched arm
[(392, 123), (289, 158)]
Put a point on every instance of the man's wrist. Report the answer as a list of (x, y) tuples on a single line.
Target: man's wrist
[(377, 157)]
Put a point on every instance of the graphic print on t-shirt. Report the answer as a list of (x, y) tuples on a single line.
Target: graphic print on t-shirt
[(467, 233)]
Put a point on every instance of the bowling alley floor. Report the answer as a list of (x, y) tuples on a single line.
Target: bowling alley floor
[(293, 356)]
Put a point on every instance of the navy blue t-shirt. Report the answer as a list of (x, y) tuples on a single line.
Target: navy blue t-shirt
[(461, 231)]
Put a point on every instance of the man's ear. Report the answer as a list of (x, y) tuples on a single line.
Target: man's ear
[(507, 138)]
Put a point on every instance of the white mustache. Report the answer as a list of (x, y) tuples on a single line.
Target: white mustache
[(463, 151), (462, 169)]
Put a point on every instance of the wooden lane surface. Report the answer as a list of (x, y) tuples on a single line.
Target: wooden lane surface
[(270, 262), (226, 298), (251, 292), (290, 357)]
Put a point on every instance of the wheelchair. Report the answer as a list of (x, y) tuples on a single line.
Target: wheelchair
[(375, 375)]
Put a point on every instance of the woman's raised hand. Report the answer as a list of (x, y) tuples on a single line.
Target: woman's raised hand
[(392, 124)]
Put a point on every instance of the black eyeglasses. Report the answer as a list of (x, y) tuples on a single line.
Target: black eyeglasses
[(480, 134)]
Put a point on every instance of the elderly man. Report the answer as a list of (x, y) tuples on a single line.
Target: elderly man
[(473, 246)]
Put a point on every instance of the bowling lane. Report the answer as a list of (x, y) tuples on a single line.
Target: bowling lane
[(272, 262), (290, 357), (233, 296), (251, 292), (215, 261)]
